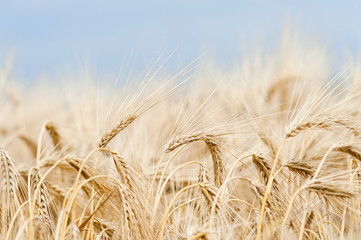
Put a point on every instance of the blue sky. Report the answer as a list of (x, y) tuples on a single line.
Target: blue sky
[(50, 37)]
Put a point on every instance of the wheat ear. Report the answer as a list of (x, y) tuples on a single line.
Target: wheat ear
[(31, 144), (55, 136), (10, 190), (213, 146), (326, 124), (350, 150), (307, 125), (40, 229), (126, 172), (300, 168), (262, 167), (208, 190), (72, 232), (43, 200), (115, 131)]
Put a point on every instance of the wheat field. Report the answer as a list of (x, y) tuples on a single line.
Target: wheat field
[(268, 150)]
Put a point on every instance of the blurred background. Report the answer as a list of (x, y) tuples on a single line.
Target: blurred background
[(48, 38)]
